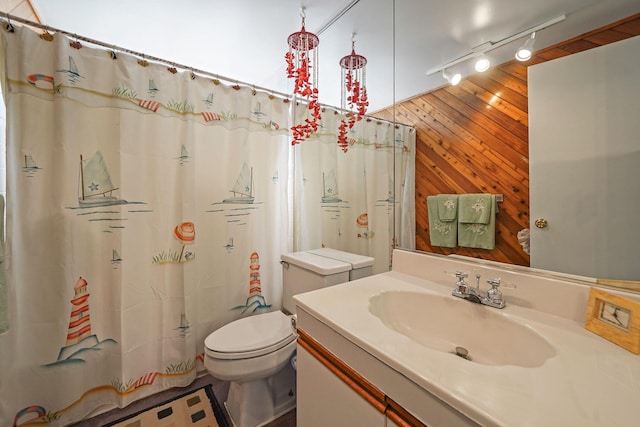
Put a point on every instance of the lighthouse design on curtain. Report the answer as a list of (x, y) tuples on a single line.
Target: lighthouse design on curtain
[(79, 334), (255, 301)]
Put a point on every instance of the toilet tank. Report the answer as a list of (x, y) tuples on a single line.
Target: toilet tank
[(361, 265), (304, 272)]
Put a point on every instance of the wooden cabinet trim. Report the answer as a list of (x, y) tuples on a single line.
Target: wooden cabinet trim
[(401, 416), (358, 383), (355, 381)]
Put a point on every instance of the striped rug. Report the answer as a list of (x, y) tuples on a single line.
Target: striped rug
[(198, 408)]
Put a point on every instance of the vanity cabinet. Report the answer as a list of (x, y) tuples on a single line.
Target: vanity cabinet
[(324, 399), (330, 392)]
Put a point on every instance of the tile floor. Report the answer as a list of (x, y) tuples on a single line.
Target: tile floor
[(220, 389)]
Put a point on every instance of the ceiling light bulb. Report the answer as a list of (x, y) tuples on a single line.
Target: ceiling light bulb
[(452, 79), (482, 64), (525, 51)]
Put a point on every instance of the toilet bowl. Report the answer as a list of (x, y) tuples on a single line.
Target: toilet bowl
[(254, 355)]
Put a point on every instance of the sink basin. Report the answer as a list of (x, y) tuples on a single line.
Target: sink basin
[(445, 323)]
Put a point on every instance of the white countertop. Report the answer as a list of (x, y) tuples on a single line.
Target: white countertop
[(588, 382)]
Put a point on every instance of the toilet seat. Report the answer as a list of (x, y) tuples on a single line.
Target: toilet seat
[(250, 337)]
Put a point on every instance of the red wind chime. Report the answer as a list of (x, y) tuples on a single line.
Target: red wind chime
[(302, 66), (353, 94)]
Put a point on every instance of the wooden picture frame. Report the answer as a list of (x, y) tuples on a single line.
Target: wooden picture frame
[(614, 318)]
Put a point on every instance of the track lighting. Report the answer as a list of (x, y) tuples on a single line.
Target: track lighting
[(482, 64), (491, 45), (525, 51), (452, 79)]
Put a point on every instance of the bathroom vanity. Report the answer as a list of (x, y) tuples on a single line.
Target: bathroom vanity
[(381, 351)]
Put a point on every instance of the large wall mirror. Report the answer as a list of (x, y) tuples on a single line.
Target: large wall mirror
[(496, 159)]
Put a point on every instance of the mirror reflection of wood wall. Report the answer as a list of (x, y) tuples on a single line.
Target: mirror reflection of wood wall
[(467, 145)]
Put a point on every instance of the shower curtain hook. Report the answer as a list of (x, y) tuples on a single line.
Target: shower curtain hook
[(114, 52), (143, 62), (46, 35), (75, 44), (9, 27)]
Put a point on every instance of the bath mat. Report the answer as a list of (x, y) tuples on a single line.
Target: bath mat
[(197, 408)]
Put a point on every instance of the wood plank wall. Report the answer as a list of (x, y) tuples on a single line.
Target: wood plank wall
[(473, 138)]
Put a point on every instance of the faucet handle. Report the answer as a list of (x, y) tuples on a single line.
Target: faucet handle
[(494, 283), (494, 296), (461, 275), (461, 289)]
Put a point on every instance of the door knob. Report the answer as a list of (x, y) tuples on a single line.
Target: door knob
[(541, 223)]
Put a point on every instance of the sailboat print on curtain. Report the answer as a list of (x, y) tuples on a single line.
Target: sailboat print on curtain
[(30, 167), (72, 71), (330, 188), (184, 326), (208, 100), (96, 188), (257, 113), (153, 90), (184, 155), (390, 193), (243, 187), (229, 246), (116, 259)]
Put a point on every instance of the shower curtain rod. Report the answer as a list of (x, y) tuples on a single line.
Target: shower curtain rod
[(48, 28)]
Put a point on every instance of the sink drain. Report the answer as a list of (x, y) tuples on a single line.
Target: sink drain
[(462, 352)]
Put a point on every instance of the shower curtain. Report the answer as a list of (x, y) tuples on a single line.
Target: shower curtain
[(145, 208), (358, 200)]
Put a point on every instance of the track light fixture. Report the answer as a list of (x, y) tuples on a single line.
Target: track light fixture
[(482, 64), (489, 46), (524, 52), (452, 79)]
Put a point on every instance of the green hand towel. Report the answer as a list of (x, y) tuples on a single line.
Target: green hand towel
[(475, 208), (447, 207), (479, 235), (440, 233)]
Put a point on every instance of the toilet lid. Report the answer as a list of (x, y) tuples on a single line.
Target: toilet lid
[(250, 337)]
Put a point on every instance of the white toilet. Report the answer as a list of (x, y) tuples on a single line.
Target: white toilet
[(255, 354)]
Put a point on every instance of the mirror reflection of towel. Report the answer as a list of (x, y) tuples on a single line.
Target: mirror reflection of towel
[(441, 233), (478, 234), (447, 207), (475, 208)]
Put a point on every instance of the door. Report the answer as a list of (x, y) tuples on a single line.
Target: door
[(584, 160)]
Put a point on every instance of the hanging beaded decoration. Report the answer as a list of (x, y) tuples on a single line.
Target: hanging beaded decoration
[(302, 66), (353, 93)]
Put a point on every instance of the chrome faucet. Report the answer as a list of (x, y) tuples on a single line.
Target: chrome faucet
[(463, 290), (493, 297)]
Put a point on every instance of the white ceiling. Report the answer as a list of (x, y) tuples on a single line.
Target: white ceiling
[(247, 39)]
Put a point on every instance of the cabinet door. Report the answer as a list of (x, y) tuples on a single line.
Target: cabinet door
[(391, 423), (324, 400)]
